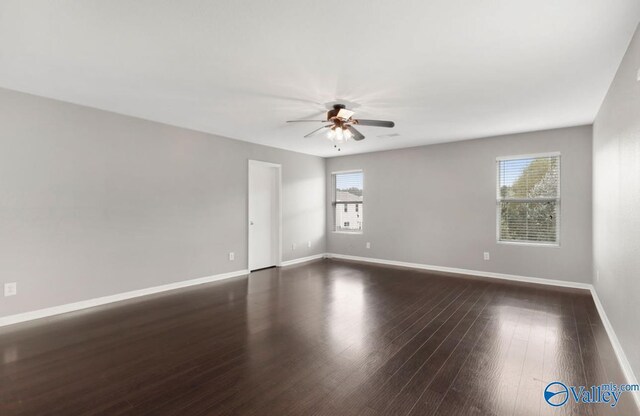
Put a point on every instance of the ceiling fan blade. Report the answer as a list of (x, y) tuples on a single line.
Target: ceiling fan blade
[(345, 114), (317, 130), (305, 121), (375, 123), (355, 133)]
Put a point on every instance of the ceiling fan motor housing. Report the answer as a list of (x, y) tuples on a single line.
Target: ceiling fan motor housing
[(334, 112)]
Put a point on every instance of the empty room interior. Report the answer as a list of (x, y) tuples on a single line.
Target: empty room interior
[(320, 208)]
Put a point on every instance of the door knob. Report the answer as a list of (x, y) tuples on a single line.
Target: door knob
[(250, 222)]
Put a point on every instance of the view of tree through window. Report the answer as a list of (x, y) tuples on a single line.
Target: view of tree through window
[(529, 199), (347, 201)]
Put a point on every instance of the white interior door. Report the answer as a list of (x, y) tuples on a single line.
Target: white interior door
[(264, 184)]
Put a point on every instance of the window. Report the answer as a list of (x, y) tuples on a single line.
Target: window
[(528, 199), (347, 190)]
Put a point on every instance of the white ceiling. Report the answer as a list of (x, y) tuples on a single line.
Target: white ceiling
[(443, 70)]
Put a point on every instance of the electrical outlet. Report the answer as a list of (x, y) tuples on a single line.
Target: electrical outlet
[(293, 247), (487, 256), (638, 74), (368, 244), (232, 256), (309, 244), (597, 275), (10, 289)]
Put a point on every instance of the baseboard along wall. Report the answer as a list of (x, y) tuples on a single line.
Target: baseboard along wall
[(90, 303)]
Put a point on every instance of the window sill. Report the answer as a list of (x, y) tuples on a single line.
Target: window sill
[(348, 232), (529, 244)]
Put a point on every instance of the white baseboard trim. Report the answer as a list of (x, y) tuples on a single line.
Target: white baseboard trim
[(70, 307), (516, 278), (302, 260), (617, 347)]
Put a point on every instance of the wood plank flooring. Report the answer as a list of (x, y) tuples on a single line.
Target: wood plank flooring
[(323, 338)]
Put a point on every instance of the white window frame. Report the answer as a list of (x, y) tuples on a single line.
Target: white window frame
[(558, 200), (333, 200)]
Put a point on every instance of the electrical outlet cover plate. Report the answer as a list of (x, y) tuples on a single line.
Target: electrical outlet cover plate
[(10, 289)]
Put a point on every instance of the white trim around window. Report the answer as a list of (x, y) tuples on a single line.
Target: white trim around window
[(334, 203), (555, 199)]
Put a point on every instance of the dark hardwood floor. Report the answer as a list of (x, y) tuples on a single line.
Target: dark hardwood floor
[(322, 338)]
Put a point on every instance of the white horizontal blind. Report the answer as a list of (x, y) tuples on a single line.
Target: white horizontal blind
[(347, 201), (529, 199)]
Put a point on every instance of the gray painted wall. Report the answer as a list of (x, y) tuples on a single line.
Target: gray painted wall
[(436, 205), (94, 203), (616, 203)]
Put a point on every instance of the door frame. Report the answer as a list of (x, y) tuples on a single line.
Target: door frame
[(276, 219)]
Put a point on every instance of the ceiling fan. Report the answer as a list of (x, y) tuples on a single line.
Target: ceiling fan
[(341, 124)]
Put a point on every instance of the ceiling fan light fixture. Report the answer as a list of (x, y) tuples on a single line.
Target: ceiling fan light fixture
[(341, 126), (331, 134), (347, 134)]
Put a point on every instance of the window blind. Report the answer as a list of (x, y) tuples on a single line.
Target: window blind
[(528, 200), (347, 201)]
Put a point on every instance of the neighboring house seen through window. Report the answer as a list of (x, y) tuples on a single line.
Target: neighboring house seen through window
[(347, 201)]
